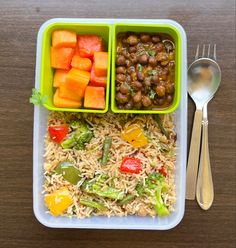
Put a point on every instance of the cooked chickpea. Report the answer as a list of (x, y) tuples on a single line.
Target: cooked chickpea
[(156, 38), (143, 59), (162, 56), (120, 60), (132, 49), (152, 61), (126, 54), (169, 98), (133, 58), (137, 85), (160, 47), (122, 98), (145, 38), (124, 88), (146, 101), (131, 69), (147, 81), (137, 97), (120, 70), (155, 79), (132, 40), (140, 76), (120, 77), (160, 90)]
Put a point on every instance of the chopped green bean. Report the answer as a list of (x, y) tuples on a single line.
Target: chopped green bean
[(106, 149), (92, 204), (127, 199), (159, 122)]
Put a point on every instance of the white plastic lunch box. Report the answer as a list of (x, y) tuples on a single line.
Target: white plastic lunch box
[(101, 222)]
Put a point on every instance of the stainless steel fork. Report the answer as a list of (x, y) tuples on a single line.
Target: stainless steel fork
[(204, 77)]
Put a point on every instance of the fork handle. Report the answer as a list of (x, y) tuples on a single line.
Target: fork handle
[(205, 190), (193, 157)]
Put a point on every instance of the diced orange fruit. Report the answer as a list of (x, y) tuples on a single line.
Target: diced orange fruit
[(97, 81), (80, 63), (59, 77), (64, 38), (100, 63), (65, 102), (77, 81), (94, 97), (88, 44), (61, 57), (64, 92)]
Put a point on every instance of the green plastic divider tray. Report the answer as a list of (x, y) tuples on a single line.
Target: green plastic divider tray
[(148, 28), (109, 34), (46, 73)]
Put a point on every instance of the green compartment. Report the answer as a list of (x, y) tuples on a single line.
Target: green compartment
[(148, 28), (46, 74)]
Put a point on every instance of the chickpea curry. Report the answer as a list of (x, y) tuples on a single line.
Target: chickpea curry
[(145, 66)]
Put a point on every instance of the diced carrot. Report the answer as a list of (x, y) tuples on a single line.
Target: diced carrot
[(80, 63), (100, 63), (97, 81), (64, 102), (59, 77), (61, 57), (69, 94), (77, 81), (94, 97), (88, 44), (64, 38)]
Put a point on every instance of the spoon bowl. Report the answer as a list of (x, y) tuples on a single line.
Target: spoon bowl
[(204, 76)]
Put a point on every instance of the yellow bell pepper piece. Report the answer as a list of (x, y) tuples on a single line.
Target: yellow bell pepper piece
[(135, 136), (58, 201)]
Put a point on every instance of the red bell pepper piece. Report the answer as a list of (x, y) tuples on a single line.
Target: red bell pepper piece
[(163, 171), (131, 165), (58, 133)]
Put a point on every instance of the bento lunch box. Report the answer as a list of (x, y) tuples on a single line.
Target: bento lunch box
[(43, 74)]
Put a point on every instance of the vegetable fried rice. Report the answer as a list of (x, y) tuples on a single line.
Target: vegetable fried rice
[(111, 165)]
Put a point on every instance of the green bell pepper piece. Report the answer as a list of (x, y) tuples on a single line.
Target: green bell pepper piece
[(69, 172)]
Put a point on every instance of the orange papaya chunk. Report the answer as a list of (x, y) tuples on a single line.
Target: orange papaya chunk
[(94, 97), (64, 102), (64, 38), (61, 57)]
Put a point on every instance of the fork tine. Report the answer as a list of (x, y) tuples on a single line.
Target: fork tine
[(214, 54), (203, 50), (197, 52), (209, 50)]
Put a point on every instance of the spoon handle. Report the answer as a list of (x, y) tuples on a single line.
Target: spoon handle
[(193, 157), (205, 190)]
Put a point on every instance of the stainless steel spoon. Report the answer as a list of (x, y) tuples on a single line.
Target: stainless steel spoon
[(204, 76)]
